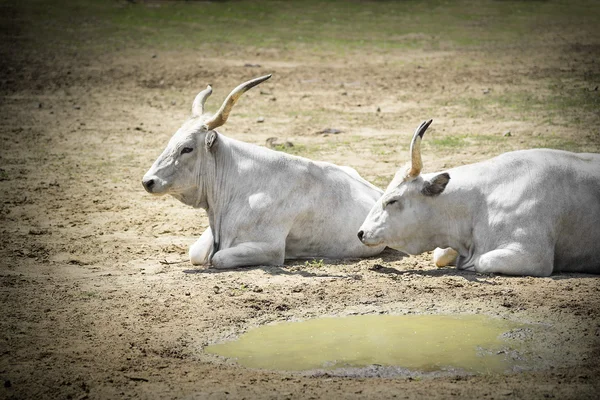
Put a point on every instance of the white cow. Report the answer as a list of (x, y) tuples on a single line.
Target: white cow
[(263, 205), (528, 212)]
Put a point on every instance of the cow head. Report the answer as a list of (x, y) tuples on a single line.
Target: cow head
[(401, 218), (179, 169)]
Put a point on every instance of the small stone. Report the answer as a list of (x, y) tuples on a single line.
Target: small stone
[(332, 131), (260, 120), (378, 109), (271, 142), (173, 102), (154, 56), (77, 107), (486, 90), (188, 294), (507, 134)]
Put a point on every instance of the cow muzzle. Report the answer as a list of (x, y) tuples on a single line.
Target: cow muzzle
[(148, 184), (154, 184), (367, 238)]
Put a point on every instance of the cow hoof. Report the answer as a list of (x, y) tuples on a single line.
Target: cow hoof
[(444, 257)]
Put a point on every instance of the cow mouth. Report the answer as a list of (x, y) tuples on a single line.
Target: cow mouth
[(157, 191), (372, 244)]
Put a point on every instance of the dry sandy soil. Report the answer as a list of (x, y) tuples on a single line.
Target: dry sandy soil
[(98, 298)]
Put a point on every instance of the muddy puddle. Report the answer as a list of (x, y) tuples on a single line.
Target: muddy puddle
[(428, 343)]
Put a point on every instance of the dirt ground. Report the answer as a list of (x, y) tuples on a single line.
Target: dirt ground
[(98, 299)]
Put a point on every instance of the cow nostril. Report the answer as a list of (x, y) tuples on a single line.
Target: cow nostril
[(360, 234), (148, 184)]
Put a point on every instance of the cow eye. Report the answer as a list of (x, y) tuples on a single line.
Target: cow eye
[(186, 150), (389, 203)]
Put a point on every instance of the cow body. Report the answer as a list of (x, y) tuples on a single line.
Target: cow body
[(271, 205), (263, 206), (528, 212)]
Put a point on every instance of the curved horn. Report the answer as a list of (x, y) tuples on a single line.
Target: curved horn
[(221, 116), (198, 105), (415, 149)]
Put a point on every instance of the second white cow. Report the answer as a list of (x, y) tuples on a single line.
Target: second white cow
[(528, 212)]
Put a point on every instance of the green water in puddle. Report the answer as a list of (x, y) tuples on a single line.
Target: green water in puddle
[(416, 342)]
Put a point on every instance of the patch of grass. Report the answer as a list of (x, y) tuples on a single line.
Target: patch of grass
[(85, 25), (314, 117), (494, 105), (314, 263), (448, 142), (583, 99), (559, 143), (382, 181), (297, 149), (560, 105), (488, 139)]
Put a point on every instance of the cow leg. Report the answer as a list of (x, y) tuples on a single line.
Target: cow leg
[(514, 262), (248, 254), (201, 249)]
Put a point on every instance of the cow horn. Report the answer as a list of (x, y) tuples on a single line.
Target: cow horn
[(221, 116), (415, 149), (198, 105)]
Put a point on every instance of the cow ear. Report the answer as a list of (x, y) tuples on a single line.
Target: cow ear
[(211, 138), (436, 185)]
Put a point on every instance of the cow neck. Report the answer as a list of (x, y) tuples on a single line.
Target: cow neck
[(220, 166), (456, 230)]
